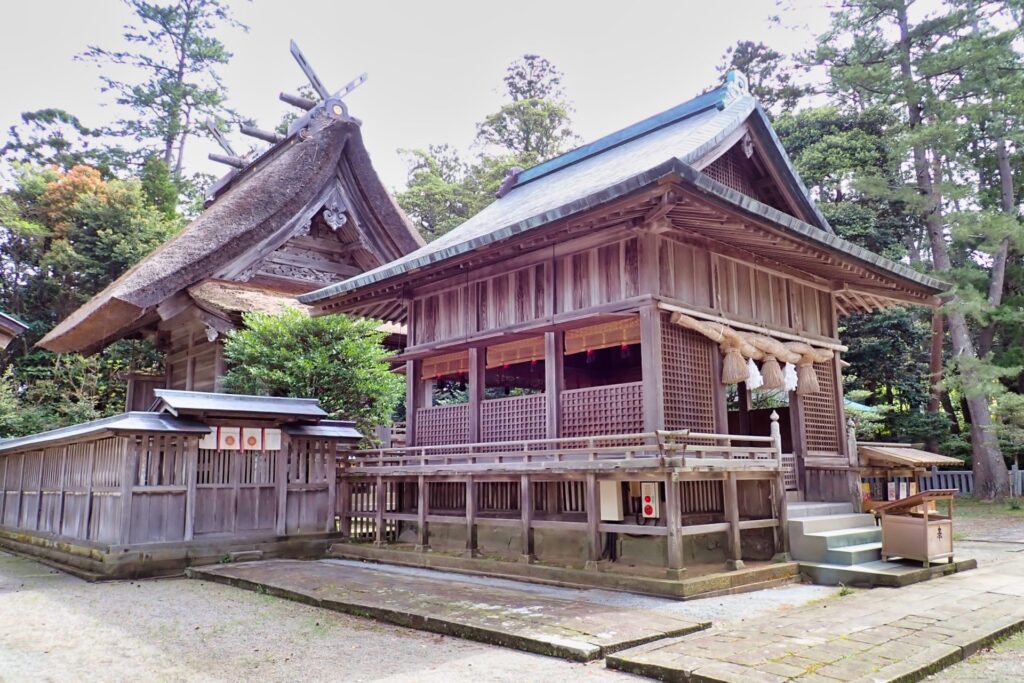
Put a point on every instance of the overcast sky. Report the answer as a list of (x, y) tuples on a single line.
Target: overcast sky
[(435, 67)]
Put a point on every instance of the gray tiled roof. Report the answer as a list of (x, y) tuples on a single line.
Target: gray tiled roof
[(191, 402), (117, 424)]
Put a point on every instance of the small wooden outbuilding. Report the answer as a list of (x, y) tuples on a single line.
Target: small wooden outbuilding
[(199, 478), (10, 327)]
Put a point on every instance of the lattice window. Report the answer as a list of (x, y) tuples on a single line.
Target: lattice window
[(258, 467), (702, 497), (446, 495), (214, 467), (732, 169), (161, 461), (821, 412), (611, 409), (108, 463), (310, 461), (498, 496), (571, 496), (789, 471), (441, 425), (688, 379), (517, 418)]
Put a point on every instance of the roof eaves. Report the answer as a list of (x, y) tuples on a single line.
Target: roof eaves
[(778, 152), (10, 322), (806, 230)]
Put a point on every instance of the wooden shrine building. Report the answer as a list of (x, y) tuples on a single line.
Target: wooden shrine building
[(632, 354), (307, 211)]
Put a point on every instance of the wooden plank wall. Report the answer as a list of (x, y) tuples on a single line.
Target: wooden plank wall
[(191, 360), (163, 488)]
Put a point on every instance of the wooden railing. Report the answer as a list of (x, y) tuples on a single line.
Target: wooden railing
[(637, 450)]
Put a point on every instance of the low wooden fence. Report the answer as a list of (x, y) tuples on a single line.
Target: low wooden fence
[(963, 481), (145, 488)]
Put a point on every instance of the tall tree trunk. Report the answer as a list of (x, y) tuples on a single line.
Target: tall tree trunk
[(935, 372), (991, 478), (995, 286)]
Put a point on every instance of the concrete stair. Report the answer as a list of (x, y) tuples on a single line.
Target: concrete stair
[(835, 545)]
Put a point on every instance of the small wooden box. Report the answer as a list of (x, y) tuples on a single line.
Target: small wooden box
[(912, 530)]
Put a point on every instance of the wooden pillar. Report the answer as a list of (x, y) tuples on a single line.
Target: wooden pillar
[(674, 522), (130, 465), (220, 365), (63, 485), (653, 378), (331, 464), (422, 510), (3, 489), (593, 505), (554, 380), (471, 544), (39, 488), (378, 515), (780, 510), (191, 479), (190, 363), (90, 475), (798, 436), (476, 386), (344, 505), (734, 552), (413, 399), (527, 553), (281, 484)]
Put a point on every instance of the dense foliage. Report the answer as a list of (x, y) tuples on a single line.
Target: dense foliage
[(337, 359)]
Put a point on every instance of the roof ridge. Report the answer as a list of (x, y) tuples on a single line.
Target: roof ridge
[(716, 98)]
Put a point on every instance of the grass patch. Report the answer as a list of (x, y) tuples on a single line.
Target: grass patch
[(972, 508)]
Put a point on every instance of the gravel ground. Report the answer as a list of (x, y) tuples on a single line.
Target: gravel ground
[(58, 628), (54, 627)]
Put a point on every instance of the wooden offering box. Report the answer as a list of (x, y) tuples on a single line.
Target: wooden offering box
[(913, 530)]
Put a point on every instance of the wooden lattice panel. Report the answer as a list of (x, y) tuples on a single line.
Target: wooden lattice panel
[(442, 425), (731, 170), (821, 412), (498, 496), (701, 497), (688, 379), (611, 409), (516, 418)]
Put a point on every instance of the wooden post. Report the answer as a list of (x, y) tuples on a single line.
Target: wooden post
[(63, 485), (743, 400), (471, 544), (799, 439), (331, 464), (526, 516), (3, 489), (554, 380), (734, 553), (378, 514), (781, 511), (131, 463), (413, 398), (235, 479), (650, 353), (191, 479), (674, 522), (853, 475), (90, 466), (344, 506), (39, 488), (283, 457), (593, 505), (477, 384), (422, 510)]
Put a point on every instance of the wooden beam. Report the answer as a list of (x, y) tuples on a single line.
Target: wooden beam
[(381, 503), (191, 478), (129, 467), (281, 484)]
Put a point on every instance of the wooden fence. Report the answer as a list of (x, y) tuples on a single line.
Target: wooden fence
[(149, 488), (963, 481)]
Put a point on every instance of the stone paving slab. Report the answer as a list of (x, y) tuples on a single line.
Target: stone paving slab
[(874, 636), (572, 627)]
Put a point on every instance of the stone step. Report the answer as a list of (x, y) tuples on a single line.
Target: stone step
[(812, 525), (880, 573), (816, 547), (816, 509), (855, 554)]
